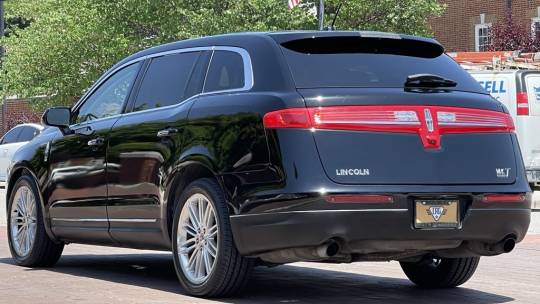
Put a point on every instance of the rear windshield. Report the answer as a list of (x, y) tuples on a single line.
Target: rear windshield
[(369, 62)]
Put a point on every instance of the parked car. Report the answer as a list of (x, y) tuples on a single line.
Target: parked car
[(270, 148), (519, 91), (11, 142)]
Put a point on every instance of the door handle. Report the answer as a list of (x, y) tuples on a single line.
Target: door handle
[(167, 132), (96, 142)]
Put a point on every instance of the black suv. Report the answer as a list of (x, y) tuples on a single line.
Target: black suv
[(271, 148)]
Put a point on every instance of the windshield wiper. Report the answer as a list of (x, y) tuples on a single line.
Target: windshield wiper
[(428, 81)]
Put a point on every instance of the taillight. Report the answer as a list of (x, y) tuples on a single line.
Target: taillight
[(427, 121), (504, 198), (464, 120), (522, 104), (359, 198), (296, 118)]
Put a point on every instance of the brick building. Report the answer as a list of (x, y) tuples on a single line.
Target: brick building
[(15, 111), (465, 24)]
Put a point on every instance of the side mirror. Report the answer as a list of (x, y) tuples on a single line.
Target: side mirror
[(57, 117)]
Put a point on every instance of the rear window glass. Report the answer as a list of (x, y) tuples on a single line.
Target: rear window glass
[(12, 136), (369, 62), (226, 72)]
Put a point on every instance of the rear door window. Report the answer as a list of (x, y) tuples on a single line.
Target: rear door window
[(532, 82), (28, 133), (226, 72), (369, 62), (12, 136), (166, 80)]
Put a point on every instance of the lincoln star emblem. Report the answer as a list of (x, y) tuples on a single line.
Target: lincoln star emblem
[(436, 212), (429, 120)]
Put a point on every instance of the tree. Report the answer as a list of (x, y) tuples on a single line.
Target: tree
[(508, 35), (69, 43)]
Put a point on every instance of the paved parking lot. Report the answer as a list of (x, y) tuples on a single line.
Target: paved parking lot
[(91, 274)]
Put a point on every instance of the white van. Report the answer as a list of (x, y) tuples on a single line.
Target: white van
[(519, 90)]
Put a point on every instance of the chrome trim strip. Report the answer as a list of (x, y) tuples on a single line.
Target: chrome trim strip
[(133, 220), (246, 58), (105, 220), (324, 211), (77, 220)]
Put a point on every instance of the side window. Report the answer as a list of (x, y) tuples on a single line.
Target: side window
[(226, 72), (12, 136), (166, 80), (109, 98), (28, 133)]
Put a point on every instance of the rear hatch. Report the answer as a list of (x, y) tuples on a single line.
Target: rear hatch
[(372, 128)]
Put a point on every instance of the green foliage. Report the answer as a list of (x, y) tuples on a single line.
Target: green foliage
[(70, 43), (399, 16)]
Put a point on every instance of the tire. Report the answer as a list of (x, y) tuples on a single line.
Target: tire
[(229, 271), (441, 272), (40, 251)]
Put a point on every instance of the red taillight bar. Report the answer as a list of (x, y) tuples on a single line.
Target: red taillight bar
[(295, 118), (359, 198), (504, 198), (427, 121), (522, 104)]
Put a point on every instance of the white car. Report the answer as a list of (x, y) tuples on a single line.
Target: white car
[(519, 91), (11, 142)]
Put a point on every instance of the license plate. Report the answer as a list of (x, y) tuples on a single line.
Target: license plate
[(436, 214)]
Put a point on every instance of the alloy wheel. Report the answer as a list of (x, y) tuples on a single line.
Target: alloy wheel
[(197, 238), (23, 222)]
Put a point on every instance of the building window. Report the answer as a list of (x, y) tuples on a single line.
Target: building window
[(535, 26), (482, 38)]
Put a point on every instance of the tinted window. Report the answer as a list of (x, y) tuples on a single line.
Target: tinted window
[(109, 98), (369, 62), (28, 133), (226, 72), (12, 136), (166, 80)]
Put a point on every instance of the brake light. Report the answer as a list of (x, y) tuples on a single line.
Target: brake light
[(522, 104), (359, 198), (287, 118), (428, 121), (504, 198)]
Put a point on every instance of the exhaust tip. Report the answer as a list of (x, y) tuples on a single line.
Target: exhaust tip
[(332, 249), (509, 245)]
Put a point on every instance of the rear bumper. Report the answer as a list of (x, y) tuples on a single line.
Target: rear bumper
[(376, 230)]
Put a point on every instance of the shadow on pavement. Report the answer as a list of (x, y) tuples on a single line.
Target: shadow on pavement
[(283, 284)]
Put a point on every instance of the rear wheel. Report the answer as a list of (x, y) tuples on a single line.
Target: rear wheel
[(206, 260), (440, 272), (28, 241)]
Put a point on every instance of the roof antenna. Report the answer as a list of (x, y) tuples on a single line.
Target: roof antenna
[(335, 16)]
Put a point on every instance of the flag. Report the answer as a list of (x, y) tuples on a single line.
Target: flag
[(293, 3)]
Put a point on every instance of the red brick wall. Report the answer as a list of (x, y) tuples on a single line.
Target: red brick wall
[(455, 28), (14, 112)]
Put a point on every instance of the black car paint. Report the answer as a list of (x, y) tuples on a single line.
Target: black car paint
[(221, 135)]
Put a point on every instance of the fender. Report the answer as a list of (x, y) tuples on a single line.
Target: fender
[(15, 172), (190, 166)]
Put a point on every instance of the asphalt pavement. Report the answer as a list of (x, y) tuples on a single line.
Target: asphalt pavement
[(94, 274)]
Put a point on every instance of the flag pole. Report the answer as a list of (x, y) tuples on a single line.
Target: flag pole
[(321, 15)]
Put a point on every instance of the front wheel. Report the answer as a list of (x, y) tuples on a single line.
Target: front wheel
[(440, 272), (28, 241), (206, 260)]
